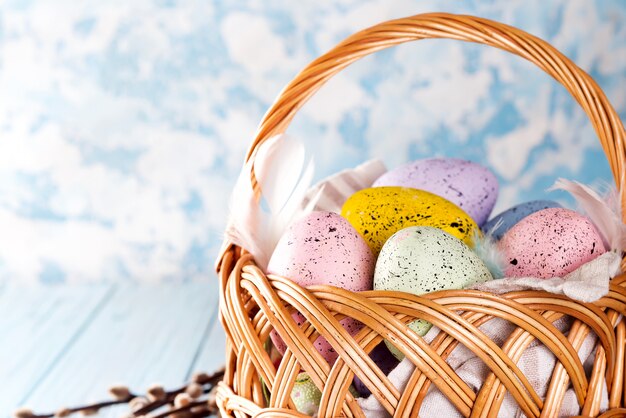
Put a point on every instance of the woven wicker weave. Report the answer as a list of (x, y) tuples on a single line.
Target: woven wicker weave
[(253, 303)]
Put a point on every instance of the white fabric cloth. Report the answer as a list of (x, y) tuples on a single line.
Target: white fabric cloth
[(337, 188), (588, 283), (537, 364)]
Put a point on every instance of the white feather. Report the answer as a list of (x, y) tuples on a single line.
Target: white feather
[(278, 168), (244, 213), (486, 247), (283, 181), (491, 231), (605, 212)]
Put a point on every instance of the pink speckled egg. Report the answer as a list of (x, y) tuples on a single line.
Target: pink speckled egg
[(470, 186), (550, 243), (322, 248)]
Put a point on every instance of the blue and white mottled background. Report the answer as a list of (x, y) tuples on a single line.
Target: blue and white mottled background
[(123, 124)]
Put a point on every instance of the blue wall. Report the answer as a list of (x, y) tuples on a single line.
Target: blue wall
[(123, 124)]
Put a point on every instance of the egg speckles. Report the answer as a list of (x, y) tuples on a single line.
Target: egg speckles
[(472, 187), (322, 248), (420, 260), (378, 212), (550, 243), (501, 223), (305, 395)]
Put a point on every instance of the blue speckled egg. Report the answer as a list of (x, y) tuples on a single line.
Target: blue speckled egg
[(470, 186), (501, 223), (423, 259)]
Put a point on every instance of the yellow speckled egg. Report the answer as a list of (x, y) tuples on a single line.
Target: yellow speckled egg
[(379, 212)]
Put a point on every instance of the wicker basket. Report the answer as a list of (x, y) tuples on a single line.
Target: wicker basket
[(252, 303)]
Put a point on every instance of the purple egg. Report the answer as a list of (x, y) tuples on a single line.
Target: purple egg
[(385, 361), (470, 186)]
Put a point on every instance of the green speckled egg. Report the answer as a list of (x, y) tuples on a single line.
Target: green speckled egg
[(379, 212), (305, 395), (423, 259)]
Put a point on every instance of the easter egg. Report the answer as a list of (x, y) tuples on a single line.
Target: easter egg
[(385, 361), (422, 259), (275, 356), (501, 223), (305, 395), (470, 186), (322, 248), (550, 243), (379, 212)]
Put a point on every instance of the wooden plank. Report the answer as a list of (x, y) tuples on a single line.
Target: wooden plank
[(37, 325), (212, 352), (145, 334)]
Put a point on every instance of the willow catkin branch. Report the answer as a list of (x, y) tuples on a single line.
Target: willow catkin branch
[(156, 397), (183, 408)]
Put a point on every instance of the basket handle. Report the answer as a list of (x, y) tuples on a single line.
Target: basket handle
[(581, 86)]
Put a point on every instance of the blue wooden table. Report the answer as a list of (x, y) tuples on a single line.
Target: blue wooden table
[(65, 345)]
